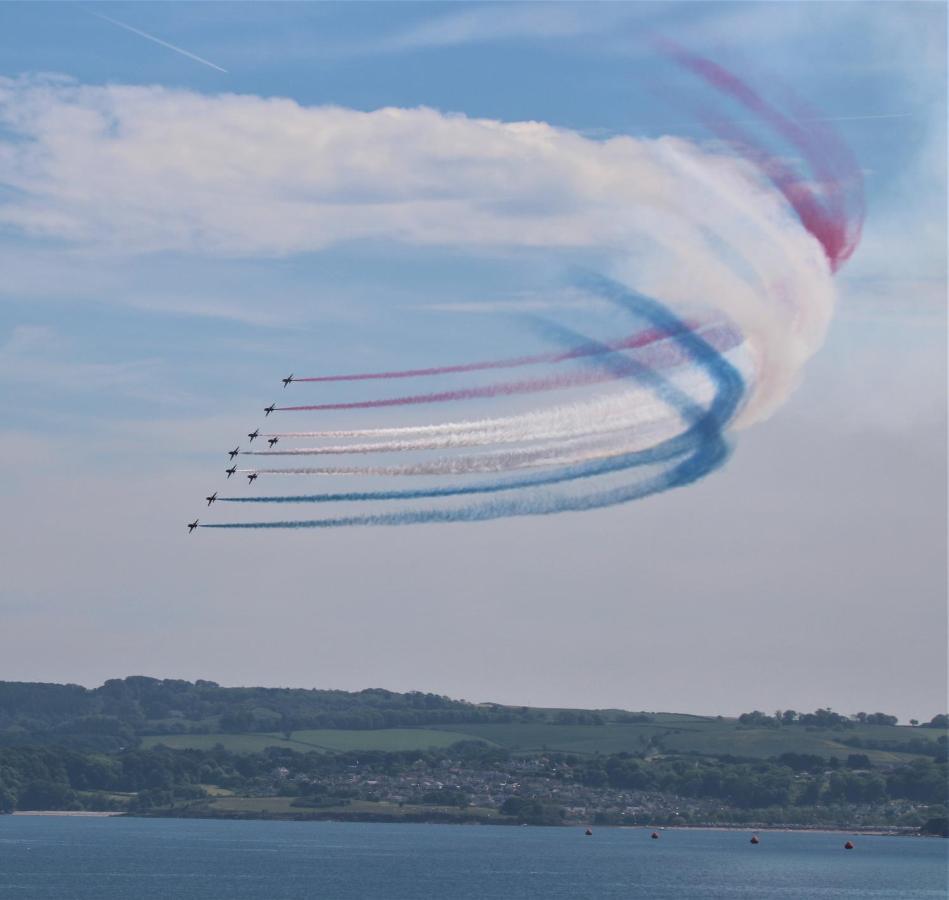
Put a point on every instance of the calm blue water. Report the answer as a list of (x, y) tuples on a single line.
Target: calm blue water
[(102, 859)]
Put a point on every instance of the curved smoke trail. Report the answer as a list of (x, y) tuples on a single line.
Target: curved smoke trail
[(654, 346), (606, 415), (832, 210), (700, 449), (769, 241), (628, 343)]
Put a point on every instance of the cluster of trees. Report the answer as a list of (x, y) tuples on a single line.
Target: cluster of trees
[(937, 749), (63, 778), (827, 718), (820, 718), (116, 714), (790, 780), (578, 717), (59, 778), (113, 715), (593, 717)]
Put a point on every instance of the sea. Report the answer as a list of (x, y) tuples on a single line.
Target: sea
[(80, 858)]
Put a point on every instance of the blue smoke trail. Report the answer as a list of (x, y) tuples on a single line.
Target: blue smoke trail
[(709, 457), (703, 442), (662, 452)]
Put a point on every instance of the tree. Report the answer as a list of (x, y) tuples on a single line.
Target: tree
[(45, 795), (879, 718), (756, 717)]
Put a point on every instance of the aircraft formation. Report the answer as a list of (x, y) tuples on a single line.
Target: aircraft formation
[(659, 397), (273, 440)]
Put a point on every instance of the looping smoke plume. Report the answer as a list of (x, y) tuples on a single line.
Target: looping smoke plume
[(738, 239)]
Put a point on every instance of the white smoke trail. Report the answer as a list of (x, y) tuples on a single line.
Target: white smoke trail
[(558, 454), (620, 412), (760, 267), (602, 415), (629, 422)]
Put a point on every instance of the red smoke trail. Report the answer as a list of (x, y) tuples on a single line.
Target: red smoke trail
[(823, 210), (722, 337), (628, 343)]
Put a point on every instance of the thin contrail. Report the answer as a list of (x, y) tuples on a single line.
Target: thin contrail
[(156, 40)]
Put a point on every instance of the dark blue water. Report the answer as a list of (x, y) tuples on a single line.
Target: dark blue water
[(118, 859)]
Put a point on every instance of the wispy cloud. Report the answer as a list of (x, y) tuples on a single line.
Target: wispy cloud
[(157, 40), (506, 22), (37, 355)]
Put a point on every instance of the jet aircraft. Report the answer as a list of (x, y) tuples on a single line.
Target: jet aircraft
[(253, 434), (234, 452), (192, 526), (273, 441), (231, 471), (251, 477), (269, 409), (287, 380), (212, 498)]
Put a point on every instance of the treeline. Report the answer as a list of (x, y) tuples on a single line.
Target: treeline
[(44, 778), (779, 782), (938, 749), (139, 780), (827, 718), (110, 716)]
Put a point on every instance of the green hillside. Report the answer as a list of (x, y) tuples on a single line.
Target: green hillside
[(325, 740), (675, 734), (151, 747), (147, 712)]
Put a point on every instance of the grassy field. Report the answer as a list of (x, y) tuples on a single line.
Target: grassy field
[(567, 738), (666, 732), (323, 739), (693, 734)]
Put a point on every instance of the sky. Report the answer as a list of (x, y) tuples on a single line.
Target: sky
[(197, 199)]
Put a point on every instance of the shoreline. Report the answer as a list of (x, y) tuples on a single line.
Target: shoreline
[(878, 830), (370, 819), (74, 813)]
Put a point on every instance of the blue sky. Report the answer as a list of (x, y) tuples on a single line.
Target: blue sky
[(132, 358)]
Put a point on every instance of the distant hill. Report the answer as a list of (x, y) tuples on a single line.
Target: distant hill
[(147, 746), (124, 708), (139, 710)]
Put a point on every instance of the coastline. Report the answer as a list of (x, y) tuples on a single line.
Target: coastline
[(73, 813), (871, 830), (436, 819)]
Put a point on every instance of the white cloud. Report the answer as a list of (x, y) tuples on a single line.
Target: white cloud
[(124, 170), (150, 169)]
